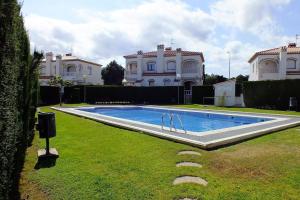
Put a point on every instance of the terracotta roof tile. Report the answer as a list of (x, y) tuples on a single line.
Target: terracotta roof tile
[(275, 51), (167, 53)]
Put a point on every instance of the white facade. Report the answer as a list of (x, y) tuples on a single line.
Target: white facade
[(70, 68), (164, 67), (225, 94), (276, 64)]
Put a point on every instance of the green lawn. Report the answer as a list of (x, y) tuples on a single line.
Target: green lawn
[(102, 162)]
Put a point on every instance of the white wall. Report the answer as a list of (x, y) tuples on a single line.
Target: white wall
[(56, 68), (257, 75), (161, 67), (225, 94)]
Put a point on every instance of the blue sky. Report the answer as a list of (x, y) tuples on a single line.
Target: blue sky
[(102, 30)]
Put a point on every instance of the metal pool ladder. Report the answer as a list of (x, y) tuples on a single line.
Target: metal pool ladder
[(171, 118)]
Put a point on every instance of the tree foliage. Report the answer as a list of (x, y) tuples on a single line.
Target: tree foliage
[(113, 74), (18, 95), (213, 79), (241, 78), (58, 81)]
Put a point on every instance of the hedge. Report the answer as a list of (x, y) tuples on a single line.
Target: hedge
[(136, 95), (202, 91), (48, 95), (271, 94), (18, 81)]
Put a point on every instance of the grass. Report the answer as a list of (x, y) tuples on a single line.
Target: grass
[(102, 162)]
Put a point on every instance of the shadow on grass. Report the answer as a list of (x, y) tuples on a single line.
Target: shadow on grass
[(46, 162)]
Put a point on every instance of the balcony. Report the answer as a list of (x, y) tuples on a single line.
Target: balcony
[(131, 74), (269, 76)]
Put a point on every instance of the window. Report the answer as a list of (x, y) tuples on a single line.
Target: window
[(151, 66), (167, 82), (90, 70), (171, 66), (291, 63), (133, 68), (71, 68), (151, 82), (189, 66)]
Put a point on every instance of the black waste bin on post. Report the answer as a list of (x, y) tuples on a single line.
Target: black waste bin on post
[(47, 129)]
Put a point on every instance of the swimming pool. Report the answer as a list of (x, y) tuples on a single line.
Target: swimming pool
[(202, 128), (176, 119)]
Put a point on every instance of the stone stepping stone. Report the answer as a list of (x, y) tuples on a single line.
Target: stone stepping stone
[(189, 153), (190, 179), (188, 164)]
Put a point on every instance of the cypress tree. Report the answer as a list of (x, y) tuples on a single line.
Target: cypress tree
[(18, 82)]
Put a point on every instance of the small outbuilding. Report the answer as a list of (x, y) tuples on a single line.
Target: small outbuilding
[(228, 93)]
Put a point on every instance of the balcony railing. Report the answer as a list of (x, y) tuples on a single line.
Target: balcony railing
[(131, 72), (189, 70)]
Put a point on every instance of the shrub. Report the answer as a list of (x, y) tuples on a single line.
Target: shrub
[(202, 91), (271, 94), (18, 81)]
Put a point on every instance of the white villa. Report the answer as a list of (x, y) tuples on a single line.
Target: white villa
[(70, 68), (164, 67), (276, 64)]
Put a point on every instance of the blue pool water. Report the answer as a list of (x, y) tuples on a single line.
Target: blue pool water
[(192, 121)]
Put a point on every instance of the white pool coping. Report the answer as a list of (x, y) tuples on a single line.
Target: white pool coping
[(191, 137)]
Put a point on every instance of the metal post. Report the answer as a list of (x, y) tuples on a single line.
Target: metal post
[(178, 93), (229, 58), (60, 96), (84, 98), (47, 146)]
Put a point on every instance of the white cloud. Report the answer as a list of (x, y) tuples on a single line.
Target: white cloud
[(103, 36), (255, 16)]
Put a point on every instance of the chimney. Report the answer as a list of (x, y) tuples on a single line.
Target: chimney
[(139, 64), (49, 57), (282, 62), (292, 45), (178, 63), (58, 65), (160, 58)]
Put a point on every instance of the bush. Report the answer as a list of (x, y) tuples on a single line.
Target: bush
[(18, 80), (202, 91), (48, 95), (271, 94), (137, 95), (73, 94)]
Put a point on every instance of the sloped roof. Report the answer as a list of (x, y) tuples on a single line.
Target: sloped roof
[(275, 51), (73, 58), (167, 53)]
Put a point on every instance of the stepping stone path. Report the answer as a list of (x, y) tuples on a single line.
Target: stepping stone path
[(190, 179), (189, 153), (187, 199), (188, 164)]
